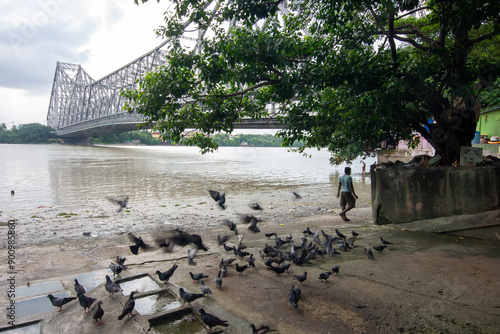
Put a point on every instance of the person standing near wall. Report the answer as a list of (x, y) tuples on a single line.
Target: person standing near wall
[(363, 168), (346, 193)]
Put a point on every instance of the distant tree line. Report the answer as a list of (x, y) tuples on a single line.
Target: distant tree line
[(32, 133), (35, 133), (250, 140)]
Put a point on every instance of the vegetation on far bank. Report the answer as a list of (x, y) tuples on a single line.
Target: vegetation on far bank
[(35, 133)]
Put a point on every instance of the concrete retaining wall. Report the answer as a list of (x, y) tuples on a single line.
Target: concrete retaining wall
[(406, 194)]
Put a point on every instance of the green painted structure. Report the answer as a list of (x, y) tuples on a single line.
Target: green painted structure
[(489, 122)]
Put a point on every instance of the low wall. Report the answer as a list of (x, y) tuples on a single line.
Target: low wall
[(406, 194)]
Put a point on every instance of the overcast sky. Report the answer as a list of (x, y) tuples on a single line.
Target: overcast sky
[(101, 35)]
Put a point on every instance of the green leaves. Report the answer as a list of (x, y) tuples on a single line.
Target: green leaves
[(342, 74)]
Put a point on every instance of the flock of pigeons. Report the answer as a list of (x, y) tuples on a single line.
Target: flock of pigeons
[(277, 257)]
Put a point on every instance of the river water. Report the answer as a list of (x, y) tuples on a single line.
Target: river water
[(66, 175)]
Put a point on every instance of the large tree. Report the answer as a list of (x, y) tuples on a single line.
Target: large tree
[(345, 75)]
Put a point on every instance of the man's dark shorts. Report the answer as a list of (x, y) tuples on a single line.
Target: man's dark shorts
[(347, 198)]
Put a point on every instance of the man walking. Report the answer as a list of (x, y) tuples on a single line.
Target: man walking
[(346, 193)]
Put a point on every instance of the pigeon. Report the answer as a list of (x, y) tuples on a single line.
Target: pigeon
[(98, 313), (224, 271), (385, 242), (340, 235), (121, 260), (116, 268), (251, 261), (218, 280), (354, 234), (189, 297), (219, 198), (197, 277), (269, 235), (122, 203), (225, 263), (262, 329), (232, 226), (308, 231), (293, 297), (335, 270), (296, 195), (164, 244), (59, 301), (79, 289), (255, 206), (138, 244), (253, 225), (222, 240), (379, 248), (277, 270), (165, 276), (325, 275), (128, 307), (181, 238), (300, 278), (191, 254), (227, 248), (369, 253), (85, 302), (241, 269), (110, 286), (205, 289), (211, 320)]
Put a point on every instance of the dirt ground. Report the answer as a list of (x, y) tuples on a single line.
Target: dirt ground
[(423, 283)]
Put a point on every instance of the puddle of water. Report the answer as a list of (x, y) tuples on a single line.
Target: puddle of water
[(143, 284), (38, 289), (28, 329), (156, 303), (92, 279), (180, 325), (37, 305)]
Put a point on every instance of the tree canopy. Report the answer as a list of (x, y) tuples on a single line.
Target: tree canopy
[(344, 75)]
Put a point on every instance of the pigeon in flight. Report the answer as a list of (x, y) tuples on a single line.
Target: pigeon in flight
[(110, 286), (59, 301), (98, 313), (128, 307), (85, 302), (191, 255), (197, 277), (219, 198), (189, 297), (79, 289), (122, 203), (138, 244), (211, 320), (253, 225), (205, 289), (167, 274), (181, 238), (232, 226), (255, 206)]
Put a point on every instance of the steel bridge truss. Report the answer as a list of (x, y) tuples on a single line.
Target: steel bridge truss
[(81, 107)]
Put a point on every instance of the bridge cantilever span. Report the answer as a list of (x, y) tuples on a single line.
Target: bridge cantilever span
[(81, 107)]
